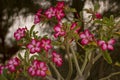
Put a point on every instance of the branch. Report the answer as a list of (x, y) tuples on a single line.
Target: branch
[(76, 62), (109, 76), (59, 77), (69, 60)]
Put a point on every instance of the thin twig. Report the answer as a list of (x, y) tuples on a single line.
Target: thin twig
[(109, 76)]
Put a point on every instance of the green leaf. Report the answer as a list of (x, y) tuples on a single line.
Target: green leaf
[(5, 74), (73, 10), (98, 21), (19, 55), (31, 30), (107, 57), (96, 6)]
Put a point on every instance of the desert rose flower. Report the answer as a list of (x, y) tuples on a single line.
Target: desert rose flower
[(86, 37), (20, 33), (58, 31), (98, 15), (57, 59), (50, 12), (106, 45), (38, 68), (59, 14), (34, 46), (46, 44)]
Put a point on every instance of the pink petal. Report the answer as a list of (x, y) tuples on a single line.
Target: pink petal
[(56, 34), (84, 41), (38, 72), (37, 49), (32, 50), (42, 64), (110, 47), (82, 35), (74, 24), (33, 42), (111, 41), (43, 74), (104, 46), (100, 42), (38, 44), (87, 33), (57, 29), (30, 46)]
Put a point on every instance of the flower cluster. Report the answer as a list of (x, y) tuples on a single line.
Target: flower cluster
[(20, 33), (56, 11), (36, 45), (38, 68), (106, 45), (57, 59)]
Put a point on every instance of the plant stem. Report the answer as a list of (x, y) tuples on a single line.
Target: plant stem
[(50, 78), (97, 57), (76, 62), (109, 76), (69, 61), (84, 63), (59, 77)]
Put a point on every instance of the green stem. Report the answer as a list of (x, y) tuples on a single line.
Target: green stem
[(76, 62), (84, 63), (69, 61), (50, 78), (59, 77), (97, 57)]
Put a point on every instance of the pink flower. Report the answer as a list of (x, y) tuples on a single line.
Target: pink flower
[(38, 68), (34, 46), (58, 31), (12, 64), (42, 68), (20, 33), (98, 15), (50, 12), (56, 58), (59, 14), (86, 37), (60, 5), (46, 44), (37, 16), (1, 69), (106, 45)]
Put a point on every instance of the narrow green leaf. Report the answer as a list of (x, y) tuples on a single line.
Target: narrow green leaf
[(31, 30), (107, 57), (19, 55)]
